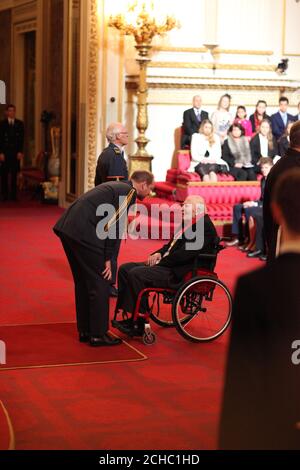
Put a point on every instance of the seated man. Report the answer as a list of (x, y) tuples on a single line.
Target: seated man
[(167, 266), (249, 208)]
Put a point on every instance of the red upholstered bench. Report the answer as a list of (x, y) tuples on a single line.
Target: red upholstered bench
[(220, 197)]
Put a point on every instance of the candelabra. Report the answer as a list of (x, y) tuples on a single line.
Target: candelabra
[(140, 22)]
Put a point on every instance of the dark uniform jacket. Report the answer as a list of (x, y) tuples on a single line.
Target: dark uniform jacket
[(11, 141), (111, 162), (79, 221), (191, 125), (256, 151), (291, 160), (261, 396), (278, 126), (180, 259)]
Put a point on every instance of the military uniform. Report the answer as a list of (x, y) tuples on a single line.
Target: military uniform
[(11, 143), (111, 162), (87, 253)]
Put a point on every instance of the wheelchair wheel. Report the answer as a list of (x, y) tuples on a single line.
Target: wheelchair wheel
[(207, 303), (160, 309)]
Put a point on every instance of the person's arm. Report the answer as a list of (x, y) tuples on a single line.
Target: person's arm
[(254, 143), (197, 148), (227, 155), (187, 123)]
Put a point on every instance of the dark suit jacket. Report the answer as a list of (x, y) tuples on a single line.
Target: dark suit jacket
[(291, 160), (191, 125), (255, 149), (283, 145), (111, 162), (11, 140), (80, 220), (180, 258), (278, 126), (252, 120), (261, 396)]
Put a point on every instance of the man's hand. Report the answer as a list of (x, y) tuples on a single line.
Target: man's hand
[(20, 155), (238, 165), (2, 157), (107, 271), (154, 259)]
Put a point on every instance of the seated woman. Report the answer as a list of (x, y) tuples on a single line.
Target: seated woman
[(263, 144), (236, 152), (206, 153), (241, 118), (222, 118), (258, 115), (284, 141)]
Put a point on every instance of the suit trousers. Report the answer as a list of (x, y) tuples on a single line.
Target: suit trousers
[(91, 290), (237, 223), (7, 169), (134, 277)]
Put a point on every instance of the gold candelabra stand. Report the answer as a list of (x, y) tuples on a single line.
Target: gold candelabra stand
[(143, 26)]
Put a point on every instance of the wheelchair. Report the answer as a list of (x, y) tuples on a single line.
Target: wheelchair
[(199, 308)]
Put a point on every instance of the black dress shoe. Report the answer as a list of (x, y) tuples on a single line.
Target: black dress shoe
[(254, 254), (113, 292), (104, 340), (263, 257), (83, 337)]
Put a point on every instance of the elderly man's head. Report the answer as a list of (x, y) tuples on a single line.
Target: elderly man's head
[(286, 202), (197, 102), (193, 206), (117, 134)]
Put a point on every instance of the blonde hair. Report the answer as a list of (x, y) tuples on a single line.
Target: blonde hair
[(211, 137), (269, 135)]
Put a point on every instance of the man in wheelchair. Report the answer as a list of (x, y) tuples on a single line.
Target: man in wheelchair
[(166, 267)]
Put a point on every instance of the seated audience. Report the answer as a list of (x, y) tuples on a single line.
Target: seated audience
[(261, 406), (206, 153), (241, 118), (192, 118), (258, 115), (236, 152), (248, 208), (281, 119), (263, 144), (284, 141), (167, 266), (222, 118)]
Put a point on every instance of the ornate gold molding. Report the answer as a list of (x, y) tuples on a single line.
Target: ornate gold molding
[(209, 65), (92, 91), (211, 86), (205, 49)]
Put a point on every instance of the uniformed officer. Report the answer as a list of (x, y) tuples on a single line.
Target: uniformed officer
[(112, 166), (11, 152), (89, 254), (111, 163)]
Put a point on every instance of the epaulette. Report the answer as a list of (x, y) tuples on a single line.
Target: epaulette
[(117, 150)]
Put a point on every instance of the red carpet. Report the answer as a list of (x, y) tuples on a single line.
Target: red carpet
[(56, 344), (170, 401)]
